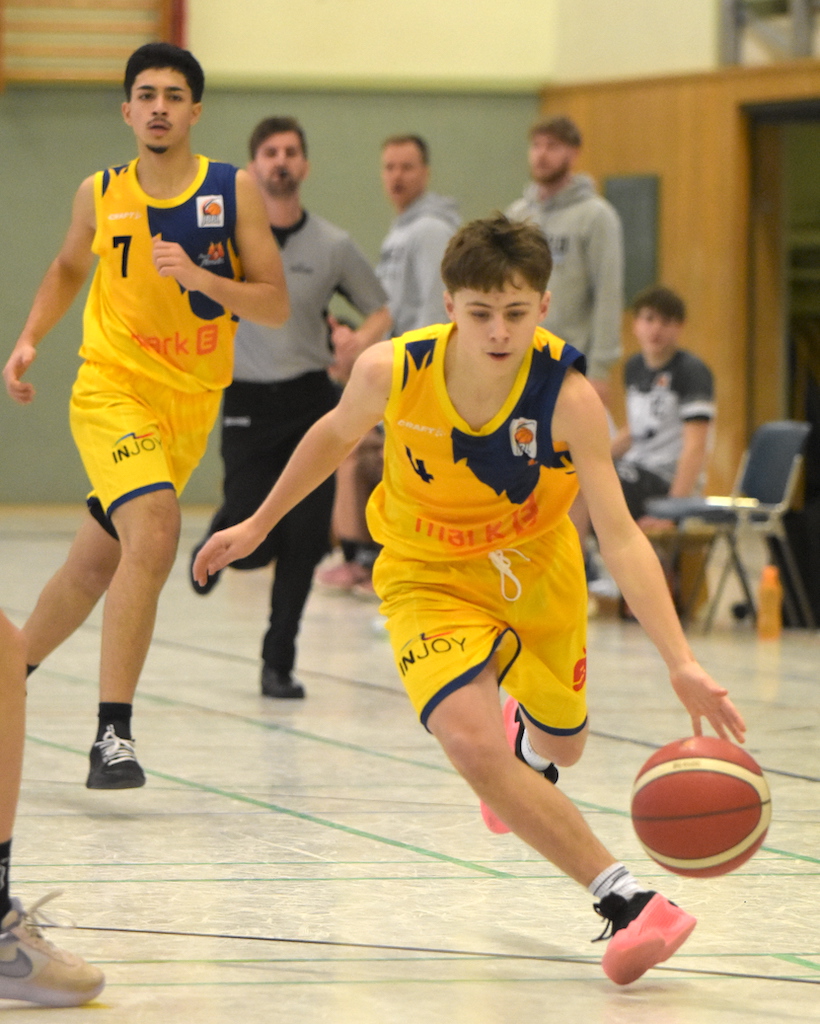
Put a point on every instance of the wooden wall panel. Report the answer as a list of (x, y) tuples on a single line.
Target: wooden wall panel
[(693, 133)]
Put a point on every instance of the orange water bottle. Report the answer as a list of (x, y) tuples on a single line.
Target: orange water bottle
[(769, 604)]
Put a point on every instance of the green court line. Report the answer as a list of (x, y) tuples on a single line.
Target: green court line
[(280, 961), (520, 880), (357, 748), (299, 815), (798, 961), (296, 879), (790, 855)]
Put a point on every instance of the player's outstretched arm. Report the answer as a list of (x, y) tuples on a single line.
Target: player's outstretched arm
[(58, 289), (320, 452), (580, 421), (263, 295)]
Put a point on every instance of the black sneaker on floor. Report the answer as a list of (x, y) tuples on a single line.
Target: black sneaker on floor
[(212, 580), (114, 764), (280, 684)]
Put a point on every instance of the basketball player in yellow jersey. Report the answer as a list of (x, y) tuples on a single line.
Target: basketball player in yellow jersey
[(170, 230), (481, 574)]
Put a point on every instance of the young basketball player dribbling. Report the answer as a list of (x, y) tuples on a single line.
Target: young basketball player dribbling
[(489, 430)]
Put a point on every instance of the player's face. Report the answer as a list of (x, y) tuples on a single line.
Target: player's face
[(280, 165), (161, 109), (657, 336), (495, 329), (550, 159), (404, 174)]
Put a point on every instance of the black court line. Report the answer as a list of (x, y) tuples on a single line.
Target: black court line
[(456, 953), (657, 746), (238, 659)]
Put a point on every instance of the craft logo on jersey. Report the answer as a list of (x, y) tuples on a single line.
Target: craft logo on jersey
[(522, 437), (214, 256), (210, 211)]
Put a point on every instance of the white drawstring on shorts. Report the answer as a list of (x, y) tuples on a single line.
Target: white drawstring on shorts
[(504, 566)]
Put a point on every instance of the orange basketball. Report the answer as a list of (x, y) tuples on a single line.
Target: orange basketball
[(701, 806)]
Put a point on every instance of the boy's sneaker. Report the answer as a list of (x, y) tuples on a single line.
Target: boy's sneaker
[(114, 764), (35, 970), (342, 577), (643, 931), (514, 728)]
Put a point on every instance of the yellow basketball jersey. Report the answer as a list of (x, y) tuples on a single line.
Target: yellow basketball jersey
[(449, 491), (147, 323)]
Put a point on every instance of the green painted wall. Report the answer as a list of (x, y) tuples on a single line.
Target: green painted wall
[(51, 138)]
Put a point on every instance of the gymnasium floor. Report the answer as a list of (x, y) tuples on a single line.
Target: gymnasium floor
[(320, 861)]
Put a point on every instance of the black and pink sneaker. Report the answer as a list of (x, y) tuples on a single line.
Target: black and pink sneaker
[(642, 931)]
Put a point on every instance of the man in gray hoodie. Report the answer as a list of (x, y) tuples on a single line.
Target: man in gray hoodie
[(585, 239), (410, 258)]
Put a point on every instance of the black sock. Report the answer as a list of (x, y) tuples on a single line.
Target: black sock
[(118, 715), (349, 548), (5, 862)]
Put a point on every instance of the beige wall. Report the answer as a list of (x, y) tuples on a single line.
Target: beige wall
[(631, 38), (449, 43), (373, 43)]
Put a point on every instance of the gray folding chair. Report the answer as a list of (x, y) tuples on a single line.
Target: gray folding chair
[(762, 493)]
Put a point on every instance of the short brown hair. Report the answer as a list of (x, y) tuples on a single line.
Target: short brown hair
[(562, 128), (663, 301), (415, 140), (488, 254), (275, 126)]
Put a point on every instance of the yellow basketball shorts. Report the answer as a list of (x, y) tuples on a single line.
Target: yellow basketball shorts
[(523, 608), (136, 435)]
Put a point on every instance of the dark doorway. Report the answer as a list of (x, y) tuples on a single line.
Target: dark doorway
[(783, 371)]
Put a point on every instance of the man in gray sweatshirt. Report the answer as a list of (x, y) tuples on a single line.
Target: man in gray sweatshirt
[(585, 239), (410, 258)]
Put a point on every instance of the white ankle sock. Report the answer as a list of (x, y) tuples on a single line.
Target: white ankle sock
[(533, 759), (616, 878)]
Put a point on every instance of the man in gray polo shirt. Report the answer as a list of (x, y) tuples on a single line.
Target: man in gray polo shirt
[(281, 387)]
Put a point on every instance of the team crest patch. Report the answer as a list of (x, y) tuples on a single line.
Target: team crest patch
[(523, 437), (214, 257), (210, 212)]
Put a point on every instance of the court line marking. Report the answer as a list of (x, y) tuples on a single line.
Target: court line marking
[(357, 748), (299, 815), (455, 953)]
